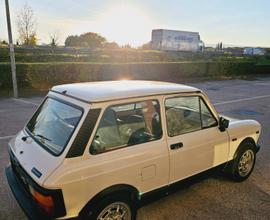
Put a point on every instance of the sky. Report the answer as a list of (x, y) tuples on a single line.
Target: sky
[(233, 22)]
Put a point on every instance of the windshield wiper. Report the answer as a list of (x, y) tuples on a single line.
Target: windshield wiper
[(35, 135), (41, 136)]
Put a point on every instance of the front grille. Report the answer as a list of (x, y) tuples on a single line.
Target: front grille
[(18, 171)]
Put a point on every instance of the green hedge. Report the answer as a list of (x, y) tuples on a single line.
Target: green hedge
[(24, 55), (42, 76)]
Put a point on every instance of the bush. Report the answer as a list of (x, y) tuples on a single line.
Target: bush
[(41, 76)]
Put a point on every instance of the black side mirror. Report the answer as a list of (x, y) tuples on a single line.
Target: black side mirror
[(223, 124)]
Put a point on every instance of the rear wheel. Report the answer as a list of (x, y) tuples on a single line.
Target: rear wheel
[(244, 162)]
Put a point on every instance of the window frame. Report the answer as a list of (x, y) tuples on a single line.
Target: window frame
[(188, 96), (125, 146), (214, 125)]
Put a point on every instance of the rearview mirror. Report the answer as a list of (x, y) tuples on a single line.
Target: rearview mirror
[(223, 124)]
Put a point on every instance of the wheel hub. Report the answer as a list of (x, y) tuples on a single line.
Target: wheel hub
[(246, 163), (115, 211)]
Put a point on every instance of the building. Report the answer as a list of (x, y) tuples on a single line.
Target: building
[(254, 51), (172, 40)]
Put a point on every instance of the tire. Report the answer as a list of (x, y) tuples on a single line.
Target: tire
[(243, 163), (114, 205)]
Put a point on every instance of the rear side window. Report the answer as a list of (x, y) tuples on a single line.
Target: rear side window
[(126, 125), (187, 114)]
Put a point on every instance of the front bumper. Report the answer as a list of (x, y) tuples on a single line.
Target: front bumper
[(23, 198), (258, 147), (20, 183)]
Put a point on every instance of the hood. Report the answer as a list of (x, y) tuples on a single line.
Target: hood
[(31, 155)]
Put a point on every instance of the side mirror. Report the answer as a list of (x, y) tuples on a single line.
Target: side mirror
[(223, 124)]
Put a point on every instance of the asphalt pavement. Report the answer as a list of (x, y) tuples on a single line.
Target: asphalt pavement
[(215, 197)]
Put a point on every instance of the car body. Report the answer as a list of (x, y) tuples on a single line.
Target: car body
[(91, 143)]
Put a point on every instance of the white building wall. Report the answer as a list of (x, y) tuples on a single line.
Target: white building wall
[(175, 40)]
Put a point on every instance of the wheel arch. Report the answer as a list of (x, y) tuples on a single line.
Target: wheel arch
[(119, 188), (229, 165), (244, 141)]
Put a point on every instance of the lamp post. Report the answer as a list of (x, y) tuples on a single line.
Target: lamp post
[(12, 56)]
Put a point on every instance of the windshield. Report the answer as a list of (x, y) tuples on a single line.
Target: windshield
[(53, 124)]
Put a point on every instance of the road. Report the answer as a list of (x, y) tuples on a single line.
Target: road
[(215, 197)]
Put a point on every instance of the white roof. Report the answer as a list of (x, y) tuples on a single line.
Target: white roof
[(112, 90)]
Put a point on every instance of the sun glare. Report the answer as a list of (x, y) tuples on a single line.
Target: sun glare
[(126, 24)]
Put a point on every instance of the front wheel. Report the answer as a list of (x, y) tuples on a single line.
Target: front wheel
[(114, 207), (244, 162)]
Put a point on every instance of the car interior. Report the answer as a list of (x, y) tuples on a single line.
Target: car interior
[(126, 127)]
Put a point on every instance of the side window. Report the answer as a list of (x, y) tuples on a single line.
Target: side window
[(187, 114), (208, 120), (126, 125), (183, 115)]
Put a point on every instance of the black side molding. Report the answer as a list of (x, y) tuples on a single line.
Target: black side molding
[(82, 138)]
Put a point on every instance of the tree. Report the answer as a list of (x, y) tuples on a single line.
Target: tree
[(54, 38), (127, 46), (4, 42), (26, 25), (93, 40), (146, 46), (90, 39), (110, 45), (219, 46), (72, 41), (33, 40)]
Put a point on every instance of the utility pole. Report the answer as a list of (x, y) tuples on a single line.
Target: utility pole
[(12, 56)]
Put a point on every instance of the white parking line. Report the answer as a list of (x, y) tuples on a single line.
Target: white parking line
[(28, 102), (241, 100), (6, 137)]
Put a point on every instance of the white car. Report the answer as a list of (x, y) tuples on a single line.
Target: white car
[(96, 150)]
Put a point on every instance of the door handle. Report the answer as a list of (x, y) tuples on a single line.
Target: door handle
[(177, 146)]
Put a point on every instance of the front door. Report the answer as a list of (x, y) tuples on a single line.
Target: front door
[(194, 139), (129, 147)]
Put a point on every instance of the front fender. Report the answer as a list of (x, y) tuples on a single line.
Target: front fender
[(240, 130)]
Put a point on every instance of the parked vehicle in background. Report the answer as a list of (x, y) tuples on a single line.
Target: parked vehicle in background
[(96, 150), (254, 51)]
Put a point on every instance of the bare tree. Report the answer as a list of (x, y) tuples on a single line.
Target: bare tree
[(26, 24), (54, 38)]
